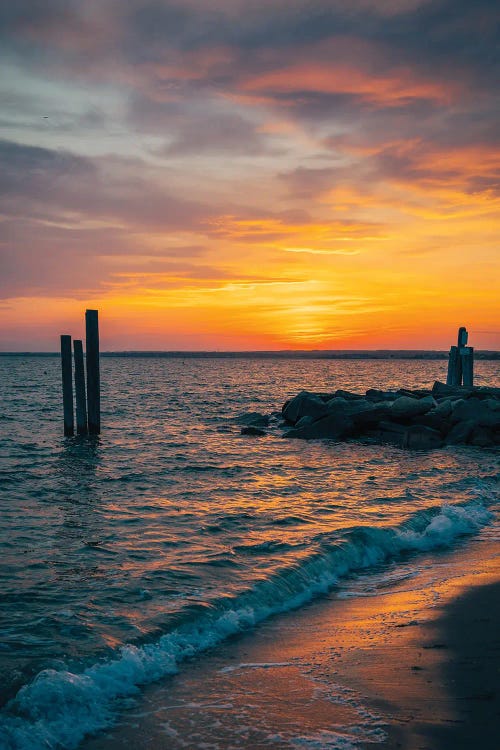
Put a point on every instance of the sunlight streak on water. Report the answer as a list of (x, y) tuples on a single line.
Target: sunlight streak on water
[(116, 539)]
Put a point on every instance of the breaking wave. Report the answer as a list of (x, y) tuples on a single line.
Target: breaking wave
[(59, 707)]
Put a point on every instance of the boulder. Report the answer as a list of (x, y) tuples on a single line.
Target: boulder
[(304, 404), (373, 394), (459, 391), (336, 403), (415, 393), (347, 395), (387, 435), (387, 426), (464, 391), (422, 438), (366, 415), (443, 409), (334, 425), (250, 430), (433, 420), (483, 437), (484, 412), (460, 433), (253, 418), (304, 420), (406, 407)]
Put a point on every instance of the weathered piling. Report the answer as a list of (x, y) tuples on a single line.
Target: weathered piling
[(67, 385), (81, 399), (454, 376), (467, 357), (93, 377), (461, 361)]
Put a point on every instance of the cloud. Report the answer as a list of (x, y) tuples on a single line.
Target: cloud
[(48, 183)]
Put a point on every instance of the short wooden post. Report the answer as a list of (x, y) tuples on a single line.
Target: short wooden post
[(93, 377), (463, 337), (467, 357), (454, 367), (81, 399), (67, 385)]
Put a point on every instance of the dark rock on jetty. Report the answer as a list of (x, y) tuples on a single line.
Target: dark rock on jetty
[(414, 419), (255, 431), (253, 423)]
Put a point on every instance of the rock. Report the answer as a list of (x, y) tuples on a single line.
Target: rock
[(415, 393), (347, 395), (373, 394), (304, 404), (304, 420), (422, 438), (388, 426), (406, 407), (443, 409), (336, 403), (368, 414), (433, 420), (460, 433), (387, 436), (253, 418), (462, 391), (459, 391), (483, 412), (481, 436), (331, 426), (250, 430)]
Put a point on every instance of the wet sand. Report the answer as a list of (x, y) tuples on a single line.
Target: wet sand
[(413, 665)]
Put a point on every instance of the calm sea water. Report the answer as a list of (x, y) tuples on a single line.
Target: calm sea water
[(124, 554)]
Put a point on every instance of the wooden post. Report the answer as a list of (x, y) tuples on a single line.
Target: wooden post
[(463, 337), (67, 385), (81, 399), (454, 367), (93, 378), (467, 357)]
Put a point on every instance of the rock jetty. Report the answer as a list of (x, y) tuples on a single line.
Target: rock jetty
[(419, 419)]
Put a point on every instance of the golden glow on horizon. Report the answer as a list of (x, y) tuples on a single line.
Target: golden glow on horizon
[(317, 194)]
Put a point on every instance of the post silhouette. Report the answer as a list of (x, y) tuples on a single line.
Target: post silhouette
[(81, 399), (67, 385), (461, 361), (93, 377)]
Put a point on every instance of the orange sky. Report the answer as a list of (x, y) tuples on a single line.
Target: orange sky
[(235, 178)]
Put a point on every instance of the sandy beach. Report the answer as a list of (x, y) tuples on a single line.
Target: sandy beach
[(413, 666)]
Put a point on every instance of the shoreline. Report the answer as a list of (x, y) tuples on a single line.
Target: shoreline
[(409, 666)]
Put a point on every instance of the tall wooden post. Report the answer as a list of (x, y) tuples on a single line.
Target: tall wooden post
[(468, 365), (454, 367), (461, 361), (81, 399), (93, 378), (67, 385)]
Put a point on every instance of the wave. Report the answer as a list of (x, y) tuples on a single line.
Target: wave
[(59, 707)]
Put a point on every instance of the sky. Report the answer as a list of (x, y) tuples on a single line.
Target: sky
[(249, 174)]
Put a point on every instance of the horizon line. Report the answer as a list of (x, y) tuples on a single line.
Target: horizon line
[(291, 353)]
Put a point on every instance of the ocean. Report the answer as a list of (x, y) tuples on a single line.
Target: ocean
[(126, 555)]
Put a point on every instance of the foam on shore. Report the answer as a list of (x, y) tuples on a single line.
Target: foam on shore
[(58, 708)]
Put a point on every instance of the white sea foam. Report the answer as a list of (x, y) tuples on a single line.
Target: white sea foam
[(58, 708)]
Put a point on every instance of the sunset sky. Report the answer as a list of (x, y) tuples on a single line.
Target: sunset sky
[(250, 174)]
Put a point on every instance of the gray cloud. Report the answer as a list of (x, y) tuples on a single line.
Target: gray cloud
[(45, 183)]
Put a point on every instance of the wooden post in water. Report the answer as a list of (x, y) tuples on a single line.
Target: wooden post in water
[(461, 361), (81, 398), (67, 385), (93, 378), (454, 367), (467, 357)]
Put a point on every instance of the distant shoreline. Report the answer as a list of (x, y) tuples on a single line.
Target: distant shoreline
[(279, 354)]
